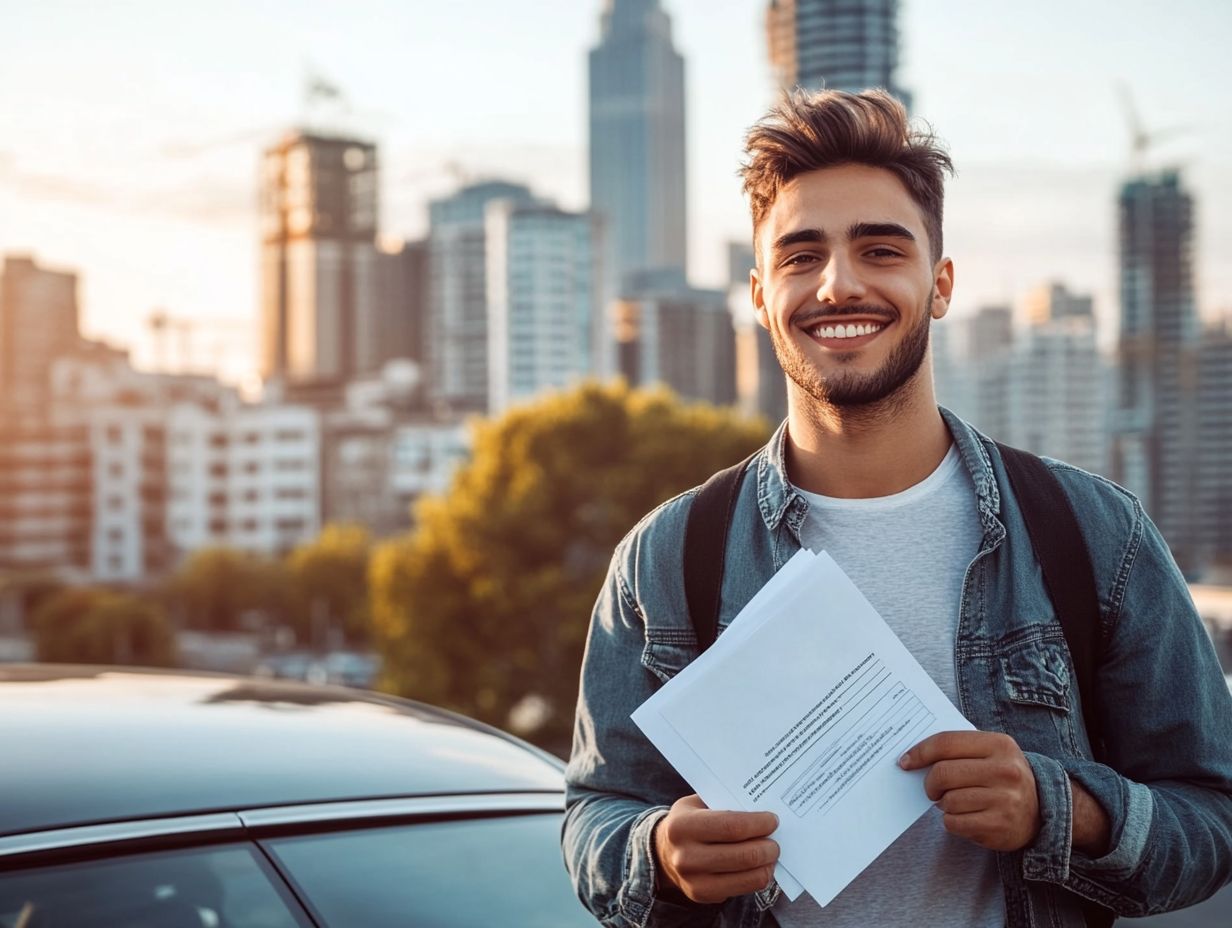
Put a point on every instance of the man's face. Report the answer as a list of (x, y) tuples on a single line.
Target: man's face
[(845, 285)]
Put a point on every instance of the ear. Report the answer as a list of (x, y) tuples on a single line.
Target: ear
[(759, 299), (943, 287)]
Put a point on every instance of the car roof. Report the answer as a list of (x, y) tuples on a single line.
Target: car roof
[(84, 745)]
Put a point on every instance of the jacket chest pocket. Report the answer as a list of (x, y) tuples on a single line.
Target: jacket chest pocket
[(668, 651), (1035, 692)]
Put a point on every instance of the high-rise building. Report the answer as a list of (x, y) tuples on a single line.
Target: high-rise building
[(399, 327), (318, 257), (1214, 458), (637, 143), (989, 343), (761, 387), (1058, 381), (38, 323), (543, 323), (458, 339), (1155, 413), (680, 337), (835, 44)]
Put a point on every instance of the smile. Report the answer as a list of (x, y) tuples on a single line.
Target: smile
[(845, 331)]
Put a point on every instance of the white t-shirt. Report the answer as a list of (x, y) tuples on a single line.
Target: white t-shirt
[(908, 553)]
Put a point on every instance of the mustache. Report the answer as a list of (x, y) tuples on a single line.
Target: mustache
[(809, 317)]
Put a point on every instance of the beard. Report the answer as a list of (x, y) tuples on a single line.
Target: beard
[(847, 389)]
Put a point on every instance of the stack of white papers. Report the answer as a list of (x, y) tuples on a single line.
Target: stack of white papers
[(802, 707)]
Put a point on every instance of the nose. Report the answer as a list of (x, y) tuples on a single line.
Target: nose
[(840, 282)]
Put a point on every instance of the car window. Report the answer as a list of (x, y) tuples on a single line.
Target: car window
[(226, 886), (502, 871)]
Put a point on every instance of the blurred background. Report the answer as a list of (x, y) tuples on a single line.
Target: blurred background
[(343, 342)]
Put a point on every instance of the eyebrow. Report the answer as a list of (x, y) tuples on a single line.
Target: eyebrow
[(879, 230), (856, 230)]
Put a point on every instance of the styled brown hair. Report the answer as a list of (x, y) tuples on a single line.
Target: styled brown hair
[(808, 131)]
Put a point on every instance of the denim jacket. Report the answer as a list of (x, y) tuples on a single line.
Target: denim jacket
[(1166, 776)]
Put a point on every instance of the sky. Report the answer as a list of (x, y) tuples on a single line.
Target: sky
[(130, 133)]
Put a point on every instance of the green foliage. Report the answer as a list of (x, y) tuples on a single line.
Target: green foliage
[(330, 578), (215, 588), (87, 626), (487, 602)]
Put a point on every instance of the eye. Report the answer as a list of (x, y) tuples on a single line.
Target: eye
[(799, 258), (883, 252)]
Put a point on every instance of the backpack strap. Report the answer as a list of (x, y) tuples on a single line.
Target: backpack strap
[(1070, 580), (705, 548), (1066, 566)]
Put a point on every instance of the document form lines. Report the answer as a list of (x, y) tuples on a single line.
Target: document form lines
[(893, 719), (818, 729)]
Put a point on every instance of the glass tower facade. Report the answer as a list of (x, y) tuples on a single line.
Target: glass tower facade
[(637, 143), (1155, 410), (835, 44)]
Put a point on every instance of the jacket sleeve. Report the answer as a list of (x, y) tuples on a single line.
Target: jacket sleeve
[(1165, 779), (618, 786)]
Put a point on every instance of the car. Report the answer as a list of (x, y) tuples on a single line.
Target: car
[(145, 798)]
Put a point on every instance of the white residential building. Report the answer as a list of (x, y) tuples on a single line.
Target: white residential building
[(243, 476), (384, 450), (542, 294)]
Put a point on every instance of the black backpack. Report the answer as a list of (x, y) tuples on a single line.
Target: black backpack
[(1055, 537)]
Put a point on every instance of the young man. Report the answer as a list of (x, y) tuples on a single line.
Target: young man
[(915, 506)]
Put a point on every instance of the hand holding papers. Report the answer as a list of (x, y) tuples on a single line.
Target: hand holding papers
[(802, 708)]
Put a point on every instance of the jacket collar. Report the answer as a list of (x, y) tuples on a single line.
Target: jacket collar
[(776, 496)]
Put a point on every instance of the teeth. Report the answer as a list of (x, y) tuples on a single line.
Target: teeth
[(845, 331)]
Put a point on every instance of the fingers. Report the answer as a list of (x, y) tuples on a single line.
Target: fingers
[(692, 821), (962, 801), (711, 855), (948, 745), (1007, 773), (735, 858), (707, 888), (993, 829)]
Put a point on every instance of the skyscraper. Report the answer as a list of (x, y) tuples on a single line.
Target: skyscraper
[(458, 338), (38, 323), (835, 44), (1058, 381), (542, 299), (680, 337), (637, 142), (318, 257), (1214, 475), (398, 331), (1155, 413)]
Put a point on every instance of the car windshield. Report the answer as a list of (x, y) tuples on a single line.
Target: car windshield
[(219, 887), (503, 871)]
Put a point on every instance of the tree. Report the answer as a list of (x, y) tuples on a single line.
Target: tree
[(215, 588), (330, 579), (86, 626), (484, 607)]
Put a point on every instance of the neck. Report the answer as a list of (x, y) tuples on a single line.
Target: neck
[(868, 451)]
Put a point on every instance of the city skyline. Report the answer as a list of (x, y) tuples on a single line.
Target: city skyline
[(133, 155)]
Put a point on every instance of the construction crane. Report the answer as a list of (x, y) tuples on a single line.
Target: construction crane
[(166, 329), (1141, 139)]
